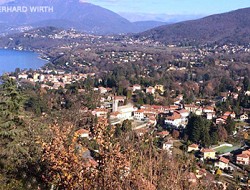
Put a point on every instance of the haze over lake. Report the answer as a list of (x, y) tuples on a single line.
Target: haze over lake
[(12, 59)]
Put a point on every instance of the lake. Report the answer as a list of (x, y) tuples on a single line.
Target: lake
[(12, 59)]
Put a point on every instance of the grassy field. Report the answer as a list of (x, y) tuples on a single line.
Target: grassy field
[(225, 149)]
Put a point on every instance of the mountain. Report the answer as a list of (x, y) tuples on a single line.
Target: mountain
[(231, 27), (146, 25), (68, 14)]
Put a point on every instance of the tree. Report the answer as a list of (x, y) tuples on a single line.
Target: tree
[(246, 84), (230, 126), (12, 129), (218, 172), (198, 130), (175, 134), (214, 135), (222, 133), (126, 126), (66, 168), (19, 154)]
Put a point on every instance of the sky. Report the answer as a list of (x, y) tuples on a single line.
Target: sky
[(167, 9), (172, 6)]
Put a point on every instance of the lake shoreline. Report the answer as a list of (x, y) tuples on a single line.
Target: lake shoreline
[(23, 59)]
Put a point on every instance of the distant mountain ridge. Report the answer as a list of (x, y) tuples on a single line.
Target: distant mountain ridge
[(72, 14), (231, 27)]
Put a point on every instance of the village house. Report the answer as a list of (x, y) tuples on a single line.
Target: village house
[(184, 113), (222, 163), (208, 109), (208, 153), (190, 107), (100, 112), (221, 120), (247, 152), (162, 134), (116, 115), (242, 159), (210, 116), (172, 108), (150, 90), (178, 118), (102, 90), (126, 111), (193, 147), (174, 120), (231, 114), (244, 117), (83, 133), (23, 76), (136, 87), (139, 114)]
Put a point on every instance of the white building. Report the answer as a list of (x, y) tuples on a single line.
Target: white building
[(83, 133), (222, 163), (102, 90), (150, 90), (22, 76), (126, 112), (177, 119), (136, 87), (100, 112), (139, 114), (244, 117)]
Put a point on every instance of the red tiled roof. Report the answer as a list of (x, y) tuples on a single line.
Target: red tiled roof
[(242, 156), (224, 160), (194, 146), (209, 108), (175, 116), (227, 113), (115, 113), (82, 131), (247, 152), (163, 133), (224, 117), (207, 150), (140, 111), (183, 111), (100, 110)]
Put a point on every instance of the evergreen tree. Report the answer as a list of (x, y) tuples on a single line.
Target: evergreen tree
[(246, 84), (198, 130), (11, 129), (230, 126)]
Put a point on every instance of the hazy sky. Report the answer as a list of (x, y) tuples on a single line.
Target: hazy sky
[(165, 10), (203, 7)]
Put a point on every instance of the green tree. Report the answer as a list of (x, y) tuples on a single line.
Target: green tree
[(18, 150), (230, 126), (198, 130)]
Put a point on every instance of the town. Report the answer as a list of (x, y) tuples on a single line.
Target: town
[(192, 100)]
